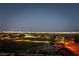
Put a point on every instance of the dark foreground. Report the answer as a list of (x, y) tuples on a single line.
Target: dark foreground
[(12, 48)]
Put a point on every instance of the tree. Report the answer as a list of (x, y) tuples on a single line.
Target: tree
[(52, 40), (77, 39)]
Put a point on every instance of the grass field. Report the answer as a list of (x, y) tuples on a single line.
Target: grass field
[(15, 46)]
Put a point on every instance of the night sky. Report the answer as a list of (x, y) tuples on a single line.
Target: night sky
[(39, 17)]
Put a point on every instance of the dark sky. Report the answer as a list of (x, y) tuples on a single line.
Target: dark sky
[(39, 17)]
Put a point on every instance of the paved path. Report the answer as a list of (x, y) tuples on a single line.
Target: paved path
[(32, 41)]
